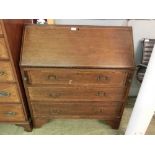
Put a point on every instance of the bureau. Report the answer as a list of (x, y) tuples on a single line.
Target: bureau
[(77, 72), (13, 105)]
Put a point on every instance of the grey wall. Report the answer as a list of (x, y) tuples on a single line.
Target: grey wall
[(141, 29), (91, 22)]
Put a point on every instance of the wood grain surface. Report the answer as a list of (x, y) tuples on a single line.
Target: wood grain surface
[(76, 109), (9, 93), (6, 72), (13, 103), (11, 112), (86, 93), (77, 72), (60, 46), (111, 78), (3, 49)]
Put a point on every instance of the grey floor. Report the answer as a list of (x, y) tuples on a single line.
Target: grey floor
[(78, 126)]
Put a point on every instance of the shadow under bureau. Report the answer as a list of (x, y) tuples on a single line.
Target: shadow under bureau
[(77, 72)]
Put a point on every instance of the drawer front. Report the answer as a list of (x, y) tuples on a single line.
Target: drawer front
[(76, 76), (3, 49), (9, 93), (80, 109), (6, 72), (11, 112), (75, 94)]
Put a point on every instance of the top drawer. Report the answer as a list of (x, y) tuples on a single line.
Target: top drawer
[(76, 76), (3, 49)]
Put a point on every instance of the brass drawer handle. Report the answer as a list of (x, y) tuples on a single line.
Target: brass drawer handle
[(55, 111), (54, 95), (52, 77), (99, 110), (4, 94), (10, 113), (101, 93), (2, 73), (102, 78)]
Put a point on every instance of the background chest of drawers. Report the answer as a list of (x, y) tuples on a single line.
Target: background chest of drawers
[(77, 72), (13, 108)]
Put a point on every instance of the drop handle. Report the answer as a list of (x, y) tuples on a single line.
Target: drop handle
[(4, 94), (52, 77), (100, 93), (99, 110), (55, 111), (102, 78), (10, 113), (2, 73), (54, 95)]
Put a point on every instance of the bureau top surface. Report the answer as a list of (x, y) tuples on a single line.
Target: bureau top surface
[(77, 46)]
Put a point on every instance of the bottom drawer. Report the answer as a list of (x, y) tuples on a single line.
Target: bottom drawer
[(11, 112), (77, 110)]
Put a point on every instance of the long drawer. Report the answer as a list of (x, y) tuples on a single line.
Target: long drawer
[(11, 112), (82, 93), (9, 93), (77, 109), (109, 77), (3, 49), (6, 72)]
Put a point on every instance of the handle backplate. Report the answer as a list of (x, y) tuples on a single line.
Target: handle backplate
[(4, 94)]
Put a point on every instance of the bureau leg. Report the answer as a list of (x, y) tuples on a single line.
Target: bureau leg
[(113, 123), (27, 127), (39, 122)]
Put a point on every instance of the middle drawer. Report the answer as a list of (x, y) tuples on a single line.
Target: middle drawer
[(6, 72), (9, 93), (82, 93)]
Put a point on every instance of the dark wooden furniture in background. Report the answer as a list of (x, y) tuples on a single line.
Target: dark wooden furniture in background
[(77, 72), (148, 45), (13, 105)]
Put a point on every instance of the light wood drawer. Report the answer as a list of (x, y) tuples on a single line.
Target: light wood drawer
[(77, 109), (11, 112), (9, 93), (6, 72), (76, 76), (3, 49), (75, 94)]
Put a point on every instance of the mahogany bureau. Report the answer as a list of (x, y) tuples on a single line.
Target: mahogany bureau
[(77, 72), (13, 108)]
